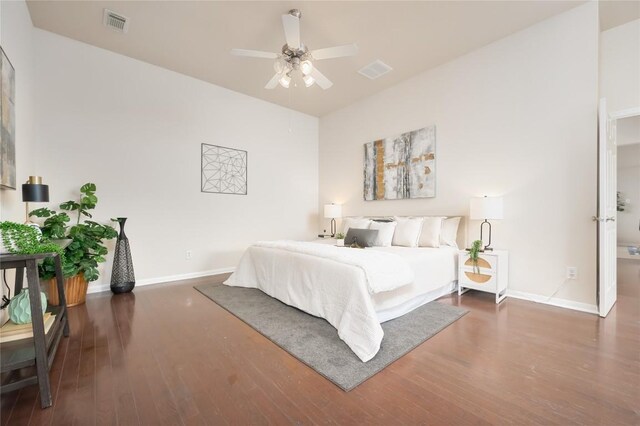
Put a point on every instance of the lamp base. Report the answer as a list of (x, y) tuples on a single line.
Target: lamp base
[(26, 213), (487, 247)]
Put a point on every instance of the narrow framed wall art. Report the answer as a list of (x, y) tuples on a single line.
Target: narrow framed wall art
[(8, 123)]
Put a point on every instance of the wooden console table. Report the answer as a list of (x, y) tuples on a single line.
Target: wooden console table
[(27, 362)]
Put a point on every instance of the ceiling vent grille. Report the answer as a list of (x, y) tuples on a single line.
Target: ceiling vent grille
[(375, 69), (116, 22)]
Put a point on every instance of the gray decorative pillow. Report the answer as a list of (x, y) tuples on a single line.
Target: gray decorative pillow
[(383, 220), (361, 237)]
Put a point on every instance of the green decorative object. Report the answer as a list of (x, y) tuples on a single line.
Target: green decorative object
[(17, 238), (476, 247), (87, 249), (20, 308)]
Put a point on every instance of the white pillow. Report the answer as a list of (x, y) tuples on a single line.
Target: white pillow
[(449, 232), (354, 222), (385, 233), (430, 234), (407, 231)]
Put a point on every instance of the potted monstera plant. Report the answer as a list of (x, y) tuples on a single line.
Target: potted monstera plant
[(85, 251)]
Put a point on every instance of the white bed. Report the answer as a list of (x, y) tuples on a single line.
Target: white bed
[(339, 292), (435, 272)]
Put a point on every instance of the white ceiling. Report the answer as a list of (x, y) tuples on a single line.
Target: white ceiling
[(195, 37), (617, 12)]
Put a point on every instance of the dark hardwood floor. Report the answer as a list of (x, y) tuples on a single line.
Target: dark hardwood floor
[(167, 355)]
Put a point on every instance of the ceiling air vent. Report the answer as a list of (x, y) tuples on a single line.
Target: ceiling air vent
[(114, 21), (375, 69)]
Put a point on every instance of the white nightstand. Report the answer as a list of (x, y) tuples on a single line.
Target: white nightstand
[(493, 276)]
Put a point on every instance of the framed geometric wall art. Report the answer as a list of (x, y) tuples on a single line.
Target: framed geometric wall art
[(8, 123), (402, 166), (224, 170)]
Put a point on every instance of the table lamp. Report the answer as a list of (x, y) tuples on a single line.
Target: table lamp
[(485, 208), (33, 191), (332, 211)]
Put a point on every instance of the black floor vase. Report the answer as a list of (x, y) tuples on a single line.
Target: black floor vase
[(122, 277)]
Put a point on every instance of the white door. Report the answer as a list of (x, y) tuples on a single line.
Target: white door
[(607, 171)]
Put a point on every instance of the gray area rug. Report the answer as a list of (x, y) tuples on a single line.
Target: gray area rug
[(316, 343)]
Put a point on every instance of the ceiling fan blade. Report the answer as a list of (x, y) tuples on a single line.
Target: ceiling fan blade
[(273, 82), (335, 52), (291, 26), (320, 79), (254, 53)]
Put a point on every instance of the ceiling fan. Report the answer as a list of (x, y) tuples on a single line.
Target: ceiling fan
[(295, 56)]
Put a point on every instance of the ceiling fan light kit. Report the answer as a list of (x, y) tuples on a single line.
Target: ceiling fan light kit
[(296, 57), (306, 67), (284, 81), (308, 80)]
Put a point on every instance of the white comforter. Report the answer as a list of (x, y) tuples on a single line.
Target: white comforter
[(331, 284), (383, 271)]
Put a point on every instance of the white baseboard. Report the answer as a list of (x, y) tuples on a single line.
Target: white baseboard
[(165, 279), (562, 303), (554, 301)]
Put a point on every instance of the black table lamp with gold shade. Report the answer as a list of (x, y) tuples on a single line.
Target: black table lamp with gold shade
[(34, 191)]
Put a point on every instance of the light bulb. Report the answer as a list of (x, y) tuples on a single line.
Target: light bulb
[(308, 80), (284, 81), (306, 67)]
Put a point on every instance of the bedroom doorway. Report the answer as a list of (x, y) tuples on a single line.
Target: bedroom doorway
[(628, 207), (618, 188), (607, 169)]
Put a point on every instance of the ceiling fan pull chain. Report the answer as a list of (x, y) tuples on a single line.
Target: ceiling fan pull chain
[(291, 110)]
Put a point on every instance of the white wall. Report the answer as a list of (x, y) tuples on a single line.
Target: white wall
[(135, 130), (620, 66), (16, 40), (628, 130), (629, 184), (515, 118)]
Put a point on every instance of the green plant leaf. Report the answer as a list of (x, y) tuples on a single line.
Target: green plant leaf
[(88, 187), (69, 205), (42, 212), (89, 200)]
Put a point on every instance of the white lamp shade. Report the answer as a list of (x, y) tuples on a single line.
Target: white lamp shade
[(485, 208), (332, 211)]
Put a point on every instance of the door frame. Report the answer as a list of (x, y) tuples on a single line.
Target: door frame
[(624, 113), (613, 116)]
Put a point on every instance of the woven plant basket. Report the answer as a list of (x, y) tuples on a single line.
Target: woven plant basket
[(75, 289)]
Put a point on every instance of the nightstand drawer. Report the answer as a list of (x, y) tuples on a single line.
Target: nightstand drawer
[(485, 261), (479, 281)]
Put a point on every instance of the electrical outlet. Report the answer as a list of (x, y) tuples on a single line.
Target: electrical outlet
[(572, 272), (188, 254)]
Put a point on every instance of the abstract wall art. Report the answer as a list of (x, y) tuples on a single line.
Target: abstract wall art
[(402, 166), (224, 170), (8, 126)]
